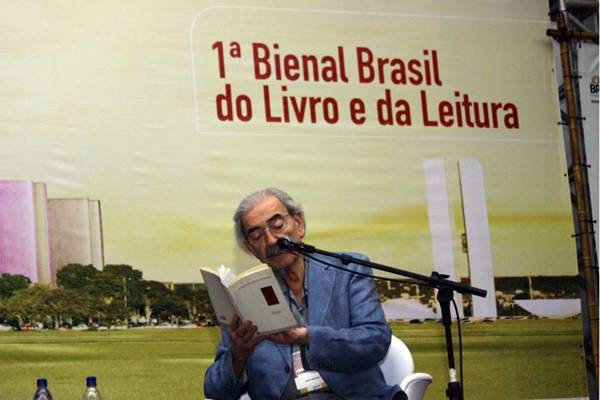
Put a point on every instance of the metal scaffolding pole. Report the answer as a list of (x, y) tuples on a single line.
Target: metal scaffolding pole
[(585, 225)]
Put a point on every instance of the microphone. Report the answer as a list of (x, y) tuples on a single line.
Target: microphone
[(285, 243)]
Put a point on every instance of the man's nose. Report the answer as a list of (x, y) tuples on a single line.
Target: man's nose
[(270, 237)]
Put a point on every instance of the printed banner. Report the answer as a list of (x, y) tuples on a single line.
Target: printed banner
[(421, 134)]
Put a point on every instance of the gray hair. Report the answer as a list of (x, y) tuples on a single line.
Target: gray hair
[(251, 200)]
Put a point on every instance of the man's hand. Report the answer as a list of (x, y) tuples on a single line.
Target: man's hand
[(243, 342), (292, 336)]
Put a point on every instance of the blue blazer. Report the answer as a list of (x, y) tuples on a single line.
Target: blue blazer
[(347, 336)]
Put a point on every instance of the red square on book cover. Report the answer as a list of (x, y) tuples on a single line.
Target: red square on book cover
[(270, 296)]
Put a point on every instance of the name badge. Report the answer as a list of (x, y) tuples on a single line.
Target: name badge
[(306, 381)]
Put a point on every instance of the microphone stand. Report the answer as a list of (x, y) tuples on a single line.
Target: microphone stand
[(446, 289)]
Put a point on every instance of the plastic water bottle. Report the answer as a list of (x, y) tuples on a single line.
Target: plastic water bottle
[(42, 392), (91, 392)]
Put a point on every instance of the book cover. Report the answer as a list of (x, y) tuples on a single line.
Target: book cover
[(255, 295), (219, 296)]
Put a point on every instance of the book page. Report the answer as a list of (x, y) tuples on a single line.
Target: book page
[(226, 275), (219, 297), (253, 270)]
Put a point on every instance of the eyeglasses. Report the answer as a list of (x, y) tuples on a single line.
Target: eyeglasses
[(276, 225)]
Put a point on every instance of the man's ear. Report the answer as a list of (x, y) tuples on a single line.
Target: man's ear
[(299, 221)]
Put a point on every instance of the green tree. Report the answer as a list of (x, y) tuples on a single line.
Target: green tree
[(194, 299), (75, 276), (158, 301), (130, 285), (186, 296), (123, 270), (70, 306), (15, 310), (109, 306), (9, 284), (33, 305)]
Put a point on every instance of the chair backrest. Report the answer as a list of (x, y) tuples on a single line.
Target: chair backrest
[(398, 362)]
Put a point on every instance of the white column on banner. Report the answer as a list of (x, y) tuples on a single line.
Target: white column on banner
[(481, 269), (587, 56), (440, 226)]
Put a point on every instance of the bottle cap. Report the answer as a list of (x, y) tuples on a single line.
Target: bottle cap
[(91, 381), (42, 382)]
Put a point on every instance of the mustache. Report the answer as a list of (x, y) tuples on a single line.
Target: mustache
[(274, 250)]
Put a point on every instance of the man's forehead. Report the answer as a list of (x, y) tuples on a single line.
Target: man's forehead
[(263, 210)]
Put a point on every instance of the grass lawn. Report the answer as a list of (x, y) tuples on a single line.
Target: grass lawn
[(507, 359), (525, 359)]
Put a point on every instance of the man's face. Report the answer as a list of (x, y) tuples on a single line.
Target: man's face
[(270, 213)]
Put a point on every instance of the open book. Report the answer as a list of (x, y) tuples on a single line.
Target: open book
[(255, 295)]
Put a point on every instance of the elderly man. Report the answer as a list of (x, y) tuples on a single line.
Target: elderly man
[(343, 334)]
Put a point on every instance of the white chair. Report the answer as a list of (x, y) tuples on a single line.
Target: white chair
[(398, 369)]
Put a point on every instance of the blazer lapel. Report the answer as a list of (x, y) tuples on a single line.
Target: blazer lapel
[(321, 280)]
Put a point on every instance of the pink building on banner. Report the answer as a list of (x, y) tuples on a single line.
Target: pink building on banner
[(38, 236), (18, 241)]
